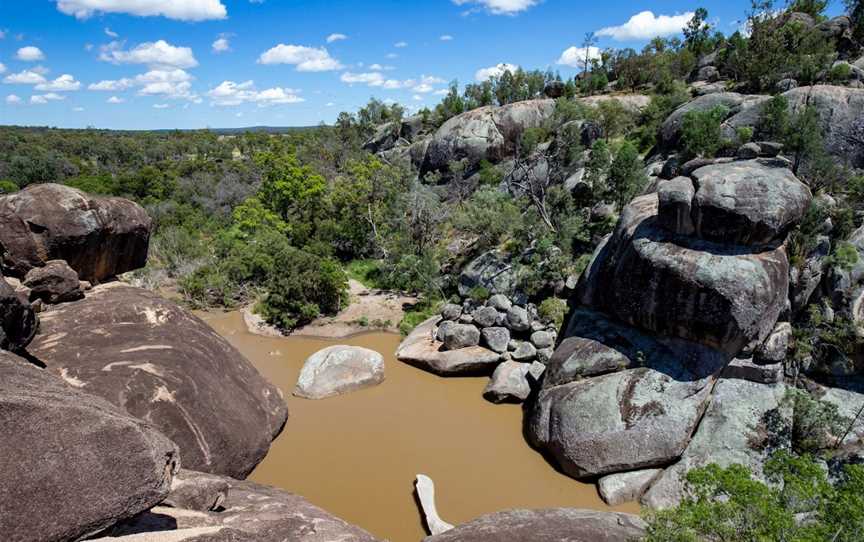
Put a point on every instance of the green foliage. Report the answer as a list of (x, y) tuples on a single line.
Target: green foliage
[(774, 123), (530, 138), (815, 424), (367, 272), (615, 119), (840, 73), (726, 504), (554, 310), (489, 174), (697, 33), (479, 294), (626, 175), (744, 134), (597, 168), (845, 256), (814, 8), (7, 186), (288, 187), (489, 214), (419, 313), (701, 134)]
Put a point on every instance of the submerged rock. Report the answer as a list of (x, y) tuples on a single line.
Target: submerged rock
[(421, 349), (339, 369), (161, 364), (71, 464), (547, 525), (99, 237)]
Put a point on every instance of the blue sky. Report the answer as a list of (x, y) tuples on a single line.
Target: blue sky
[(142, 64)]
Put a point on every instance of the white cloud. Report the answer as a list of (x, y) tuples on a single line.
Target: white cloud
[(115, 100), (501, 7), (441, 92), (41, 99), (2, 34), (64, 83), (154, 54), (112, 86), (41, 70), (646, 25), (336, 37), (221, 45), (161, 106), (183, 10), (392, 55), (307, 59), (2, 68), (13, 99), (371, 78), (78, 109), (30, 54), (163, 76), (230, 93), (377, 79), (110, 33), (418, 97), (26, 77), (400, 44), (494, 71), (575, 56), (446, 37)]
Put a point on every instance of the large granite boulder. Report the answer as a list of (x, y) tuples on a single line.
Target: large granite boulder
[(718, 295), (248, 513), (384, 138), (421, 349), (18, 323), (747, 203), (54, 283), (547, 525), (99, 237), (71, 464), (743, 425), (494, 271), (165, 366), (486, 133), (339, 369), (735, 104)]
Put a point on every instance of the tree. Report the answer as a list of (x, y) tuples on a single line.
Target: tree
[(697, 33), (288, 187), (855, 9), (814, 8), (626, 175), (701, 133), (589, 43)]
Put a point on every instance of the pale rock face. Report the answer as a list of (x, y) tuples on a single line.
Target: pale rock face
[(337, 370), (624, 487), (421, 349), (509, 383), (160, 363), (426, 493)]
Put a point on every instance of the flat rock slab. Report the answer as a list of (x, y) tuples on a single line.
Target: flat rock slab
[(162, 364), (99, 237), (422, 350), (72, 464), (249, 513), (548, 525), (339, 369)]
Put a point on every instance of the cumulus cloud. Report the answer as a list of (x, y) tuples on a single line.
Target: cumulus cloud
[(2, 68), (115, 100), (161, 106), (13, 99), (181, 10), (446, 37), (306, 59), (112, 86), (78, 109), (64, 83), (377, 79), (575, 56), (231, 93), (155, 54), (500, 7), (646, 25), (169, 83), (494, 71), (26, 77), (336, 37), (41, 99), (400, 44), (221, 45), (110, 33), (30, 54)]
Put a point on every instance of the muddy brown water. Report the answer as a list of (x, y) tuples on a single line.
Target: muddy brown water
[(356, 455)]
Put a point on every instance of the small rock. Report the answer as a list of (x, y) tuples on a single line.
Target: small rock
[(544, 354), (769, 148), (537, 325), (485, 316), (466, 319), (624, 487), (542, 339), (749, 151), (535, 371), (785, 85), (499, 302), (451, 311), (197, 491), (496, 338), (513, 345), (509, 383), (54, 283), (442, 330), (525, 352), (340, 369), (461, 336), (745, 369), (518, 319)]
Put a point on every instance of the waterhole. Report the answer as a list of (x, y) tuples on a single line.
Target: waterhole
[(356, 455)]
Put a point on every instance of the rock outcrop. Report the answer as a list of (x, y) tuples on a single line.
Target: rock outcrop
[(249, 513), (339, 369), (163, 365), (71, 464), (18, 323), (98, 237), (546, 525)]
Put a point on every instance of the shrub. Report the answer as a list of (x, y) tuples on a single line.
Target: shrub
[(479, 294), (626, 175), (815, 424), (8, 187), (419, 313), (840, 73), (554, 310), (701, 134)]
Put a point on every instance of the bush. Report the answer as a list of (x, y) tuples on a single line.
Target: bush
[(701, 134), (626, 175), (840, 73), (554, 310), (815, 424), (419, 313), (8, 187), (366, 272)]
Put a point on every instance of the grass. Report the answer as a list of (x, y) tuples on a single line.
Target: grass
[(416, 315), (366, 272)]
